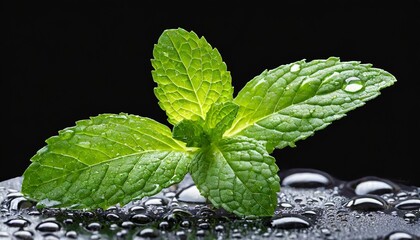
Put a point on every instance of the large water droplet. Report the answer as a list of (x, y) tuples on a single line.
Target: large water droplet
[(367, 203), (399, 235), (305, 178), (408, 204), (48, 226), (372, 185), (295, 68), (290, 222), (353, 84), (17, 222)]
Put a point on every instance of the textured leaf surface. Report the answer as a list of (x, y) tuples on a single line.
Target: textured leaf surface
[(238, 175), (190, 74), (105, 160), (219, 118), (291, 102)]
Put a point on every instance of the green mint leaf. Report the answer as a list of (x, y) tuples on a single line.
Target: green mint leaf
[(291, 102), (238, 175), (190, 74), (219, 118), (106, 160), (190, 132)]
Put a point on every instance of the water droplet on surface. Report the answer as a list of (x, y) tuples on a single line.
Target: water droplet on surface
[(290, 222), (17, 222), (140, 219), (48, 226), (367, 203), (156, 201), (408, 204), (305, 178), (94, 226), (400, 235), (148, 233), (353, 84), (24, 235), (295, 68), (372, 185)]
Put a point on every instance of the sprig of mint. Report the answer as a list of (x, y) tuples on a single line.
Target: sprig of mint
[(223, 142)]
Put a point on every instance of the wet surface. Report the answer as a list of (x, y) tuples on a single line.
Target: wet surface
[(311, 205)]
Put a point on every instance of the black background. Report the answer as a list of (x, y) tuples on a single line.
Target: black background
[(66, 62)]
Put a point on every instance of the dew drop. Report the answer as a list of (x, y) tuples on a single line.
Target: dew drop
[(17, 222), (372, 185), (148, 233), (94, 226), (290, 222), (71, 234), (353, 84), (48, 226), (305, 178), (399, 235), (140, 219), (295, 68), (367, 203), (24, 235), (408, 204)]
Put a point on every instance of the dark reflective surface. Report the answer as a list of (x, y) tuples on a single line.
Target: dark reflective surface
[(311, 205)]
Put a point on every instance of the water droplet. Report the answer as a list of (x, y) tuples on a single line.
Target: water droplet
[(148, 233), (112, 217), (367, 203), (305, 178), (372, 185), (66, 134), (190, 194), (408, 204), (23, 234), (399, 235), (140, 219), (71, 234), (17, 222), (353, 84), (94, 226), (48, 226), (295, 67), (290, 222)]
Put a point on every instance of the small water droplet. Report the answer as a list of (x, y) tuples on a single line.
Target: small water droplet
[(66, 134), (72, 234), (140, 219), (367, 203), (148, 233), (48, 226), (353, 84), (372, 185), (24, 235), (400, 235), (18, 222), (290, 222), (305, 178), (295, 68), (408, 204), (94, 226)]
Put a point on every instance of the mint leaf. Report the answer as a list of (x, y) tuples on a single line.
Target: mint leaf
[(190, 132), (238, 175), (219, 118), (291, 102), (190, 74), (105, 160)]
